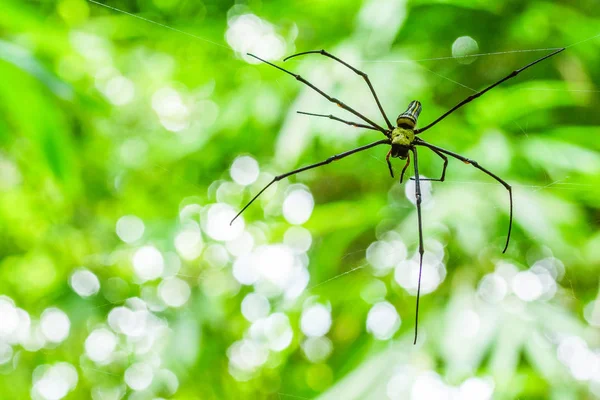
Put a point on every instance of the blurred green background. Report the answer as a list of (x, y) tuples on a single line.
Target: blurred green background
[(126, 147)]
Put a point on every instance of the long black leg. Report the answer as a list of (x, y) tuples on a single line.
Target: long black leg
[(405, 167), (338, 119), (330, 159), (476, 95), (356, 71), (441, 179), (474, 163), (387, 158), (328, 97), (421, 250)]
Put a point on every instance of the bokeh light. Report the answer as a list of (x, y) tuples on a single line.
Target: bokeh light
[(384, 255), (241, 245), (53, 382), (172, 112), (168, 381), (298, 238), (216, 255), (139, 376), (130, 228), (591, 312), (100, 345), (317, 349), (188, 242), (247, 33), (217, 221), (476, 389), (119, 90), (464, 47), (433, 273), (148, 263), (426, 192), (246, 356), (298, 205), (174, 292), (55, 325), (527, 286), (244, 170), (255, 307), (278, 331), (316, 320), (8, 316), (275, 265), (582, 362), (383, 320), (493, 288), (429, 385), (6, 353), (84, 282)]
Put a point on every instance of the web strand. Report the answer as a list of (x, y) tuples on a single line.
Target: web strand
[(563, 90), (448, 79), (337, 276), (583, 41), (366, 61), (159, 24), (496, 53)]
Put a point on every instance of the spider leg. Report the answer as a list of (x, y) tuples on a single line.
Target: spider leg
[(421, 250), (476, 95), (441, 179), (338, 119), (405, 167), (327, 161), (356, 71), (387, 158), (331, 99), (474, 163)]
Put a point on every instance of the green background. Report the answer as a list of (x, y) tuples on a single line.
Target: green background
[(83, 143)]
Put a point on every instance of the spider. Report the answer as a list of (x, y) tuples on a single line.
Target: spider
[(403, 141)]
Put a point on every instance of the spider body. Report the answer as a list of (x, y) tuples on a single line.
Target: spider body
[(403, 135), (403, 141)]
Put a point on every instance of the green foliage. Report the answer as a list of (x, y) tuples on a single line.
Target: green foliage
[(117, 139)]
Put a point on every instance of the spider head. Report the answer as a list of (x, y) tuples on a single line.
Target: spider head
[(408, 119), (400, 152)]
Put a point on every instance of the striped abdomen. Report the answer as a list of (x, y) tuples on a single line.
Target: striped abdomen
[(408, 119)]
